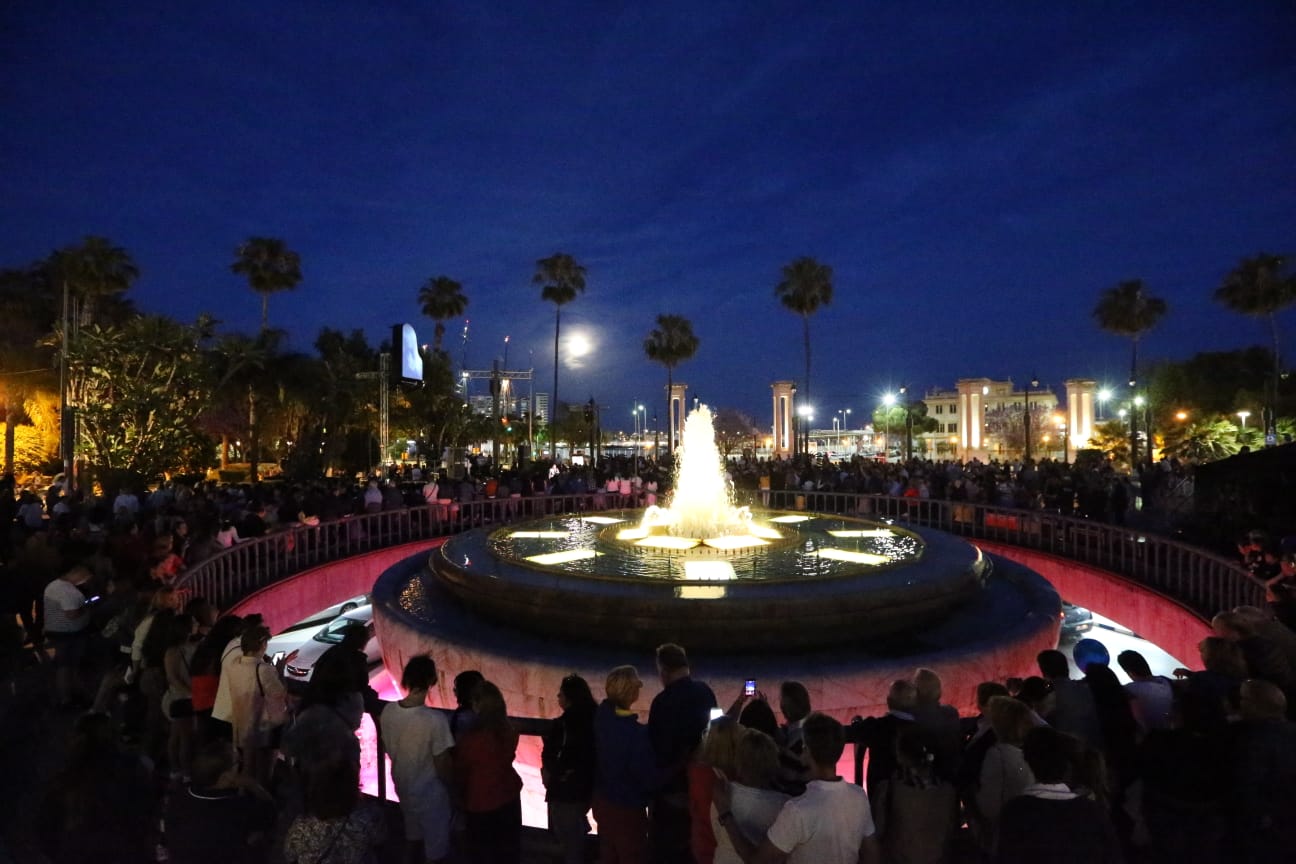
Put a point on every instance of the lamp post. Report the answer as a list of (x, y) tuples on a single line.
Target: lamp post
[(1103, 395), (806, 413), (1243, 415), (889, 400), (1026, 418), (1066, 436), (904, 403)]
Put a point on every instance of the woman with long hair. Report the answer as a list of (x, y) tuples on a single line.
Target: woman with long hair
[(204, 673), (567, 767), (490, 790)]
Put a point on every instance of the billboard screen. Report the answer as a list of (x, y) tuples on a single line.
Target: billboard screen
[(411, 360)]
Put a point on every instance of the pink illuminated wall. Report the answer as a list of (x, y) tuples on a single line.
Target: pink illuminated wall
[(304, 594), (1153, 616)]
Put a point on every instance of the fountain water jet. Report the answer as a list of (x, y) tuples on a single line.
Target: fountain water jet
[(701, 504)]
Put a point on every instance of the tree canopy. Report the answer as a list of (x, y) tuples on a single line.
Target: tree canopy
[(269, 267), (806, 285), (441, 298), (670, 343), (560, 278)]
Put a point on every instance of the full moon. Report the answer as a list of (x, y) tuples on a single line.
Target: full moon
[(578, 345)]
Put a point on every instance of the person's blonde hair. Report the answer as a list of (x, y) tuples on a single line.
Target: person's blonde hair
[(488, 705), (620, 685), (758, 759), (720, 744), (1010, 718)]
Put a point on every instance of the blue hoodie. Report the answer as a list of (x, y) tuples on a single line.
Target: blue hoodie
[(627, 768)]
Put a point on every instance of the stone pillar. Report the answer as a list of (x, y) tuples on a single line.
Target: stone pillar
[(1080, 395), (971, 409), (678, 408), (784, 396)]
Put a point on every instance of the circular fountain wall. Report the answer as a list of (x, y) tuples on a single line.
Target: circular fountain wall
[(813, 581)]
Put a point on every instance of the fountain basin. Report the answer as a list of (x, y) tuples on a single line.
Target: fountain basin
[(830, 581)]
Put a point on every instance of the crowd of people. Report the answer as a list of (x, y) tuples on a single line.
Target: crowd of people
[(186, 738)]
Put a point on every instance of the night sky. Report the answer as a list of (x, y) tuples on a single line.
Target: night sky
[(975, 179)]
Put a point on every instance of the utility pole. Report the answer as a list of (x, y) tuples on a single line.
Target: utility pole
[(384, 403)]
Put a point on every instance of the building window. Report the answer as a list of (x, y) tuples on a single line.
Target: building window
[(951, 427)]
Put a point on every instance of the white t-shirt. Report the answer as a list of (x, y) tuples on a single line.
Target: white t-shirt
[(413, 737), (754, 811), (826, 825), (62, 597)]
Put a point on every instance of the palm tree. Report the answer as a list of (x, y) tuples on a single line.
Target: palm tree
[(806, 286), (91, 271), (1127, 310), (269, 266), (241, 364), (441, 298), (562, 279), (1258, 287), (670, 343)]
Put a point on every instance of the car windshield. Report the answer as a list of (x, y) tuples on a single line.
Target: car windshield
[(334, 632)]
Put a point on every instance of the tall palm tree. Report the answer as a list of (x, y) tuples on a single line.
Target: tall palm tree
[(670, 343), (806, 285), (93, 272), (561, 278), (269, 267), (440, 299), (1128, 310), (1259, 288)]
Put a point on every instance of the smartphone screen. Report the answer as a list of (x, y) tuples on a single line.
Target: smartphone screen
[(750, 687), (716, 713)]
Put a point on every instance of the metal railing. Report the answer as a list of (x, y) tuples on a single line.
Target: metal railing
[(1199, 579), (234, 573)]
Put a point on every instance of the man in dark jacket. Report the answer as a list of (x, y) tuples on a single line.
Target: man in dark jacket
[(676, 721), (878, 734)]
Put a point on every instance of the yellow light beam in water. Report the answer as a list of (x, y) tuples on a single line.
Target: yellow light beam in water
[(563, 557), (852, 557)]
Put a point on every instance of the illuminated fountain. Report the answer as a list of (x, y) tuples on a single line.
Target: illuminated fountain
[(702, 502), (844, 604), (710, 573)]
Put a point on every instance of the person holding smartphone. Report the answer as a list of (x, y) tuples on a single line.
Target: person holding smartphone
[(67, 622)]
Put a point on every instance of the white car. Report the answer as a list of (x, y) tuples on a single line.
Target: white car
[(324, 616), (298, 665)]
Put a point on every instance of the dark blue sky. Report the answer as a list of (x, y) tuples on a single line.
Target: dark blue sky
[(975, 179)]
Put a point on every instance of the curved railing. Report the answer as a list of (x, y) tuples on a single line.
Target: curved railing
[(234, 573), (1199, 579)]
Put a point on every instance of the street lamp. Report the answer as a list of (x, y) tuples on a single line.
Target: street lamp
[(1103, 396), (638, 435), (807, 415), (904, 403), (1243, 415), (889, 400)]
